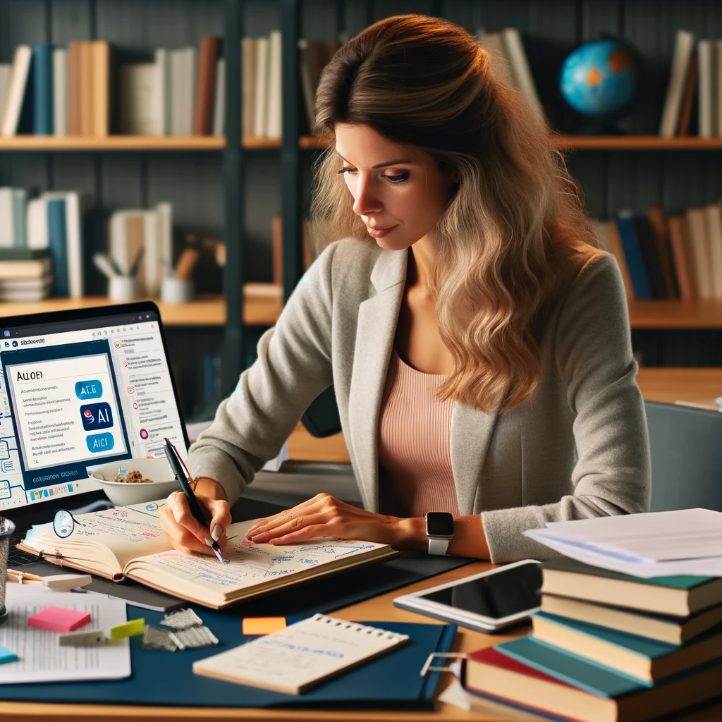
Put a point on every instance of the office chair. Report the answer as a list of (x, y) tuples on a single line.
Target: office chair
[(686, 446), (321, 418)]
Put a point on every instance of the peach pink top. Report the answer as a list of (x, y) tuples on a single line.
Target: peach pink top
[(414, 444)]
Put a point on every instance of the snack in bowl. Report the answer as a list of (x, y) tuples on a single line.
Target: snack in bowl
[(135, 481)]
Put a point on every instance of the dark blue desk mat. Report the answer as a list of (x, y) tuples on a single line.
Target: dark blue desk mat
[(166, 678)]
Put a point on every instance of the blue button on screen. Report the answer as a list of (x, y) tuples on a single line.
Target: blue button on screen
[(98, 443), (88, 390)]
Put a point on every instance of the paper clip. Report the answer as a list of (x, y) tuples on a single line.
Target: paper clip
[(454, 667)]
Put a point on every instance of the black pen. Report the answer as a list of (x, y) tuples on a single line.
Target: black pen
[(176, 463)]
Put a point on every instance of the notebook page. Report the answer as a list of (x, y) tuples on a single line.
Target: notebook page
[(299, 656), (249, 564), (127, 532)]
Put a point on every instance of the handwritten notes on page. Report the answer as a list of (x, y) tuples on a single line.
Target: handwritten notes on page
[(41, 658), (300, 656), (125, 532), (251, 565)]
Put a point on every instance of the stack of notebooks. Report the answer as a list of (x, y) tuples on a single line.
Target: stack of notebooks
[(607, 647), (25, 274)]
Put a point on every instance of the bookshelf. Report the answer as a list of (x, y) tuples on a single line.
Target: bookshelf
[(233, 186)]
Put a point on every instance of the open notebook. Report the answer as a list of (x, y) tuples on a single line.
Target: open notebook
[(128, 542)]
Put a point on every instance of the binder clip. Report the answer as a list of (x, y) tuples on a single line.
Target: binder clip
[(453, 667)]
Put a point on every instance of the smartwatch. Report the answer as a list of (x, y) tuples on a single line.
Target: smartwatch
[(439, 530)]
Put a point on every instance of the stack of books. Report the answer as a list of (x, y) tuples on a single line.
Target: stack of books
[(609, 647), (25, 274)]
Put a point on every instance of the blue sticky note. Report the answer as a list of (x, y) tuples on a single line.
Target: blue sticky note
[(7, 656)]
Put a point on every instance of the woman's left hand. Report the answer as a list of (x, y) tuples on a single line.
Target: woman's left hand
[(324, 517)]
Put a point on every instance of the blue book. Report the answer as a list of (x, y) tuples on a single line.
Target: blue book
[(633, 255), (58, 246), (42, 69), (648, 660)]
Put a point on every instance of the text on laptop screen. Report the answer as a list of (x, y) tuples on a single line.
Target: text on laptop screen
[(77, 395)]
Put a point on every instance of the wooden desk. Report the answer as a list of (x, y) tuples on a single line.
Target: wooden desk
[(699, 385), (373, 610)]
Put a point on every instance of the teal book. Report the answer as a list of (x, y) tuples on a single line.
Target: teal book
[(648, 660), (678, 596), (571, 668)]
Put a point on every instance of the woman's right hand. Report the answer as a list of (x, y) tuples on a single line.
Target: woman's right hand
[(183, 532)]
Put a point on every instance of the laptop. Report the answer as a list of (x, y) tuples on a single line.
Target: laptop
[(79, 389)]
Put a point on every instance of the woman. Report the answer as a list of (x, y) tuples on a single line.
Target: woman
[(477, 340)]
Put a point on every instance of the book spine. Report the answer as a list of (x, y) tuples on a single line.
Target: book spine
[(718, 86), (633, 254), (615, 243), (700, 252), (16, 91), (57, 243), (42, 65), (75, 89), (713, 216), (60, 92), (514, 50), (100, 98), (261, 99), (219, 105), (273, 129), (6, 218), (679, 239), (86, 88), (190, 84), (684, 45), (645, 239), (707, 122), (660, 228), (74, 245), (249, 54), (208, 59), (20, 239)]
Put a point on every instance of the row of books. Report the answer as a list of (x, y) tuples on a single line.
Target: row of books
[(608, 646), (139, 240), (58, 91), (696, 70), (660, 257)]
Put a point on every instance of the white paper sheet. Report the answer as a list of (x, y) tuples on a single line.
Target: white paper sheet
[(41, 659)]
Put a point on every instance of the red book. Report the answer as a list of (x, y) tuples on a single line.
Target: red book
[(207, 63)]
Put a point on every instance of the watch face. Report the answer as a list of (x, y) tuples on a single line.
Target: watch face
[(439, 523)]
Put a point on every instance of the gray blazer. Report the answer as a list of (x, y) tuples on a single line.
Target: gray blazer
[(577, 448)]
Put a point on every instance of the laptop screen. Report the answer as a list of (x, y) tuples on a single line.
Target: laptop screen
[(78, 392)]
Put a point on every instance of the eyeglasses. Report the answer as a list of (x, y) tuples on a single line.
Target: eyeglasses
[(64, 523)]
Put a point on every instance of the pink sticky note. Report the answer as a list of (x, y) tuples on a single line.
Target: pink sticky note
[(59, 619)]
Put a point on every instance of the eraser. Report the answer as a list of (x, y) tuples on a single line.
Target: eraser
[(129, 629), (259, 626), (84, 638), (65, 582), (59, 619), (7, 656)]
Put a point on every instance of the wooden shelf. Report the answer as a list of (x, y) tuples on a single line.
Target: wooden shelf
[(669, 385), (602, 142), (263, 303), (131, 142), (675, 314), (196, 142)]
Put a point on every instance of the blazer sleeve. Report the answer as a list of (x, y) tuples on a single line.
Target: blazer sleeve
[(292, 368), (594, 360)]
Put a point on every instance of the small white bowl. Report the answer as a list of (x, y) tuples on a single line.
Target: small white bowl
[(122, 493)]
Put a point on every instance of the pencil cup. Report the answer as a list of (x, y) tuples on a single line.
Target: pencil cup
[(7, 528), (176, 290), (122, 288)]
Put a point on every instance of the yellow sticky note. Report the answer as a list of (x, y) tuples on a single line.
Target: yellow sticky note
[(129, 629), (263, 625)]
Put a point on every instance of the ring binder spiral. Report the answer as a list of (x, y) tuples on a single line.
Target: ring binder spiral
[(301, 655)]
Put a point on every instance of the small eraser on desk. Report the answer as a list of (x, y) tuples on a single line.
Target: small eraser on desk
[(67, 581), (59, 619), (84, 638), (257, 626), (7, 656)]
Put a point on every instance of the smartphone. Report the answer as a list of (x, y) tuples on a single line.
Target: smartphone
[(486, 602)]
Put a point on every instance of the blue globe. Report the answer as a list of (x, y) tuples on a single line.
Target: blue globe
[(600, 78)]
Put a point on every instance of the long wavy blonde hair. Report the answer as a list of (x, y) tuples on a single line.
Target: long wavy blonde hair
[(514, 232)]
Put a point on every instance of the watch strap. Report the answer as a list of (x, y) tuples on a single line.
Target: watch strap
[(438, 546)]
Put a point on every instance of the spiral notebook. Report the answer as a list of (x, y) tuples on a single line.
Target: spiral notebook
[(302, 655)]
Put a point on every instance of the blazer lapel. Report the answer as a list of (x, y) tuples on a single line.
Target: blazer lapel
[(471, 433), (377, 321)]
